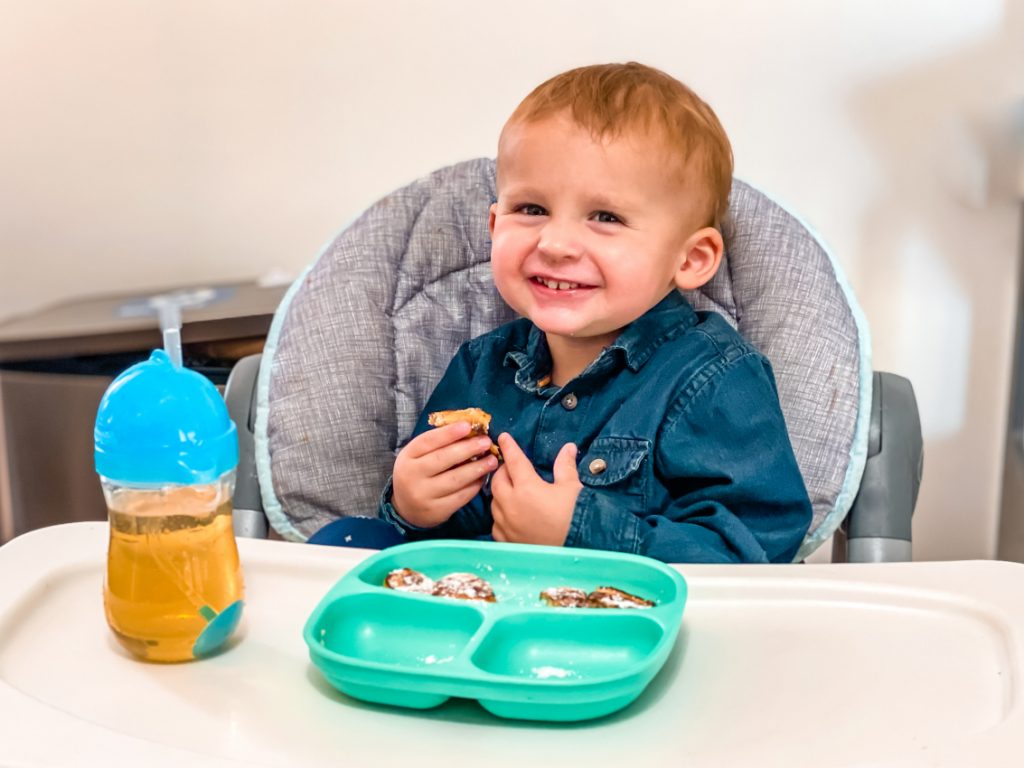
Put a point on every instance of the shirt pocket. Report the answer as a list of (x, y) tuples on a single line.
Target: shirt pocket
[(615, 464)]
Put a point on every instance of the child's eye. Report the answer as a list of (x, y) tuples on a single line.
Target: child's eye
[(531, 209), (607, 217)]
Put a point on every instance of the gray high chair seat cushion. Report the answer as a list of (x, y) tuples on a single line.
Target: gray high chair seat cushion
[(364, 335)]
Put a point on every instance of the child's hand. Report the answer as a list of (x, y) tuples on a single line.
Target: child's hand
[(526, 509), (434, 476)]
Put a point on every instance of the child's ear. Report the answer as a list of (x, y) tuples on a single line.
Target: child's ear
[(703, 249), (491, 217)]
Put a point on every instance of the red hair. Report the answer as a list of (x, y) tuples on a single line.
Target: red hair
[(610, 100)]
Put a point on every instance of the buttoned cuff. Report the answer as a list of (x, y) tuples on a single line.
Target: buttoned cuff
[(599, 523)]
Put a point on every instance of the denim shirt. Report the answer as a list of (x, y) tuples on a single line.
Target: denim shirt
[(683, 451)]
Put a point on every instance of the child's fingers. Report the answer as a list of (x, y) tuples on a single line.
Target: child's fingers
[(462, 475), (461, 497), (498, 532), (428, 504), (500, 484), (517, 465), (452, 455), (434, 439), (565, 465)]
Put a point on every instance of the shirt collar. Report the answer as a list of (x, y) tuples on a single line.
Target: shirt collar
[(669, 317), (533, 362)]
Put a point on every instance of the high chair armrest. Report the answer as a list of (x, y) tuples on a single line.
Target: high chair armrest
[(240, 397), (878, 527)]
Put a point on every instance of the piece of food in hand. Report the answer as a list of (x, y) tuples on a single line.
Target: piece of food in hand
[(479, 422), (408, 580), (464, 586), (478, 419), (565, 597), (610, 597)]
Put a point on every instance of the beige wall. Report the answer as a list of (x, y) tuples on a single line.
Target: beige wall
[(147, 143)]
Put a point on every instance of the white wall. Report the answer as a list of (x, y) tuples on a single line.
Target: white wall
[(148, 143)]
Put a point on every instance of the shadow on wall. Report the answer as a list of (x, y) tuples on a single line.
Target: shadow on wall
[(938, 267)]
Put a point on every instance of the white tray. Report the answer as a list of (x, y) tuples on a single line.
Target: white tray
[(904, 664)]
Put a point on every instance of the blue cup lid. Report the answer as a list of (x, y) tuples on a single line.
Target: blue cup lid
[(162, 424)]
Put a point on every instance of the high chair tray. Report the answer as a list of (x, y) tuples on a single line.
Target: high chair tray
[(908, 664), (518, 656)]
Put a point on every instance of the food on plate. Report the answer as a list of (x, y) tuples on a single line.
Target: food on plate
[(460, 586), (602, 597), (479, 422), (610, 597), (408, 580), (464, 586), (564, 597), (469, 586)]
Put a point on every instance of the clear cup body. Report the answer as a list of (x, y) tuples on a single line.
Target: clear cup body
[(172, 567)]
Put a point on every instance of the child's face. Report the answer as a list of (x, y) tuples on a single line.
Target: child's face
[(587, 236)]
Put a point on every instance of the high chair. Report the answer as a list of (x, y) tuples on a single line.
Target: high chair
[(365, 333)]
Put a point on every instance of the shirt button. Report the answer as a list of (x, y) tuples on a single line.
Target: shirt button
[(597, 466), (569, 401)]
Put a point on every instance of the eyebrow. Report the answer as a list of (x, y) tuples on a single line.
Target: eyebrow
[(522, 192), (604, 203)]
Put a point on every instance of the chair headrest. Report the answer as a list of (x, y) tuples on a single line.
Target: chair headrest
[(362, 338)]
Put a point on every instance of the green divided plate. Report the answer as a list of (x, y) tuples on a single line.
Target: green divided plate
[(519, 657)]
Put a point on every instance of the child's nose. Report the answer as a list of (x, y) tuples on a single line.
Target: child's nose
[(560, 240)]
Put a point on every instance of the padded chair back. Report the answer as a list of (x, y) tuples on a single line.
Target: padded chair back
[(364, 335)]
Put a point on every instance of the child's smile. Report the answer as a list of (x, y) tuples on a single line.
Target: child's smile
[(556, 285), (559, 288)]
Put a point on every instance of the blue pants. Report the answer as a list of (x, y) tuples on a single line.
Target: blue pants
[(365, 532)]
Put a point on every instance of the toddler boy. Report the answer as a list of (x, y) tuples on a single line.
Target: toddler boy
[(626, 420)]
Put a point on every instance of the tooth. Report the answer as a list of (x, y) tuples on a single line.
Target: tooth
[(563, 286)]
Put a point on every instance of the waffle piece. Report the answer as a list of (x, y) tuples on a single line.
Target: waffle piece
[(478, 419), (565, 597), (408, 580), (610, 597), (479, 422), (464, 586)]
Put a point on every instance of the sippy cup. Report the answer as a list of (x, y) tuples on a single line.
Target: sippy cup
[(166, 453)]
